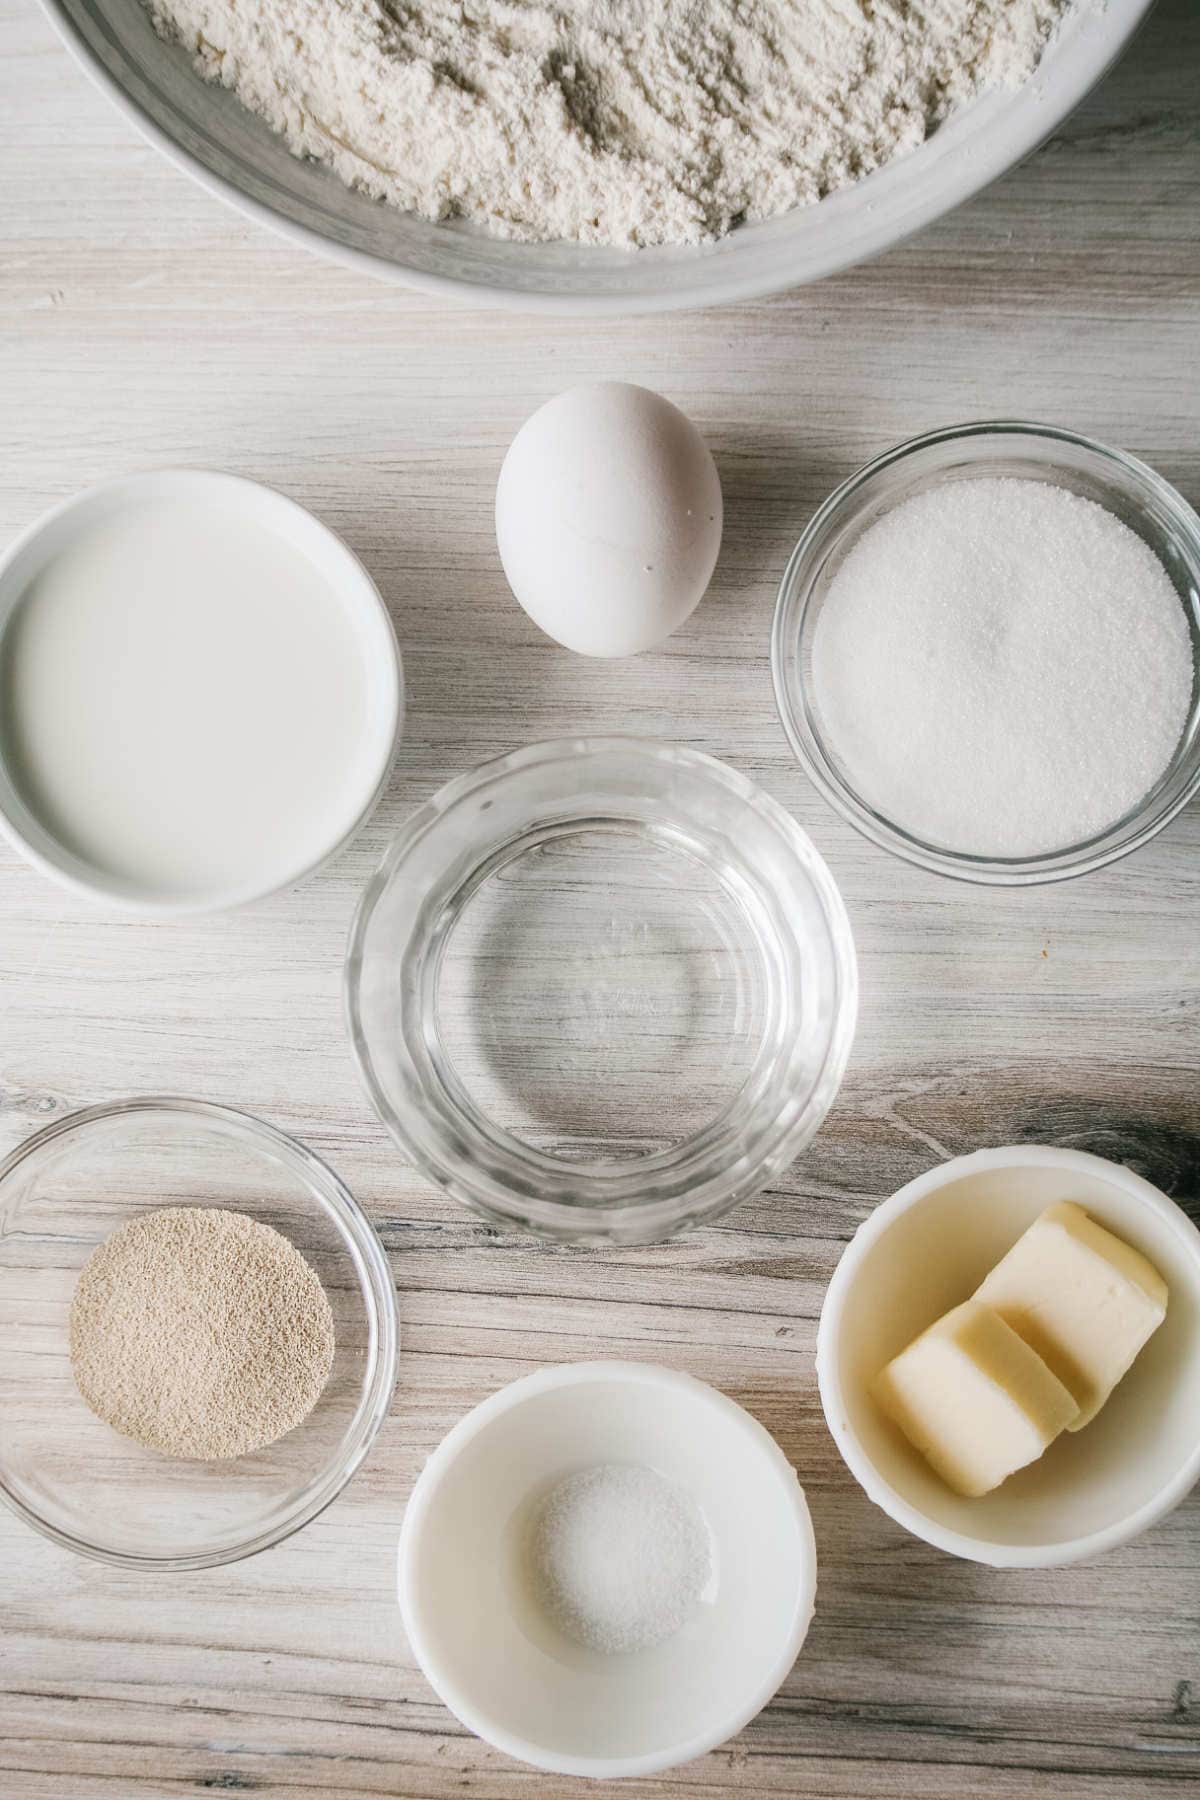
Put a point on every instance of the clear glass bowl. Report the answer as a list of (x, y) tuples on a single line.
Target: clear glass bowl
[(602, 989), (69, 1475), (1128, 488)]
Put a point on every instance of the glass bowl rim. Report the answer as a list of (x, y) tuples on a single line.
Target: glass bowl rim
[(376, 1286), (795, 595), (638, 1221)]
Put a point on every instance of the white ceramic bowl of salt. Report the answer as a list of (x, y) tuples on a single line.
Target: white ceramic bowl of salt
[(928, 1248), (203, 130), (607, 1569)]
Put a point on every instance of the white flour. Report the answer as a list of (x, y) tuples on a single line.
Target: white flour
[(607, 121)]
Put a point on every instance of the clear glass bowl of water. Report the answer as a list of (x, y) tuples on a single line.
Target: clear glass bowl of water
[(602, 989), (71, 1476), (1131, 490)]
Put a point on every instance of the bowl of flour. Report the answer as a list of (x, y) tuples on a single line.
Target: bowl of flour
[(596, 156)]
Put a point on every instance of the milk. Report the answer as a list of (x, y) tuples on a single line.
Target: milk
[(187, 701)]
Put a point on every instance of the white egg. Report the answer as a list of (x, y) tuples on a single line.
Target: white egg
[(608, 518)]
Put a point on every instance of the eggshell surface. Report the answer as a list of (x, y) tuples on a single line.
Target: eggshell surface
[(608, 518)]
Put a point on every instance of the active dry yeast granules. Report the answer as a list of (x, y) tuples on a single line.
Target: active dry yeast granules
[(200, 1332)]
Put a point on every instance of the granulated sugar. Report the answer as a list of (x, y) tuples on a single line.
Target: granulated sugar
[(621, 1556), (200, 1332), (1001, 667), (607, 121)]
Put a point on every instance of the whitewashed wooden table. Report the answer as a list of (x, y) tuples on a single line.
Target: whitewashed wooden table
[(140, 324)]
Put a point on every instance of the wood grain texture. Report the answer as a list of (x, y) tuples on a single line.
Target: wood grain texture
[(141, 324)]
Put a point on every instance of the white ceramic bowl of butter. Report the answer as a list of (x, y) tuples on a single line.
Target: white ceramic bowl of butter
[(498, 1660), (928, 1248)]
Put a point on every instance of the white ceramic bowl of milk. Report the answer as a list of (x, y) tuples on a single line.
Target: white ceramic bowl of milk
[(200, 692)]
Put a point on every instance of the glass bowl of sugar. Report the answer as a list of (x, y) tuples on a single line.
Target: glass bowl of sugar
[(95, 1300), (985, 652)]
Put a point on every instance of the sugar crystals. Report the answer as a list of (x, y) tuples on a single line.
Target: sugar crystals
[(1001, 667)]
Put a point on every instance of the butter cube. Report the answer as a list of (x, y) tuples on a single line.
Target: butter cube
[(974, 1399), (1082, 1298)]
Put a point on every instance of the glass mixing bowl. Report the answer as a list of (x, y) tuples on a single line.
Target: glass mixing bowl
[(1126, 487), (69, 1475), (602, 989)]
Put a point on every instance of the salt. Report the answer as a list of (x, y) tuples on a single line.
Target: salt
[(1001, 667), (620, 1557)]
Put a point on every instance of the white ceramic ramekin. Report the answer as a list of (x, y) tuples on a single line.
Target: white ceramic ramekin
[(226, 495), (926, 1249), (490, 1652)]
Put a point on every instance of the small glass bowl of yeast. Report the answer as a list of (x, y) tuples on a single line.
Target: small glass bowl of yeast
[(602, 989), (105, 1495), (997, 451)]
